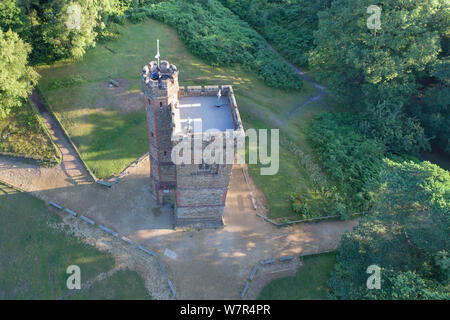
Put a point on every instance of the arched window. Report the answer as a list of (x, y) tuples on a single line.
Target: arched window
[(160, 104)]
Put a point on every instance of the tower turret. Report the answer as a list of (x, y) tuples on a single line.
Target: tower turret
[(160, 87)]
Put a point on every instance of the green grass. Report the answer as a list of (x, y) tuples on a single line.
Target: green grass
[(21, 135), (122, 285), (109, 137), (292, 177), (34, 256), (309, 283)]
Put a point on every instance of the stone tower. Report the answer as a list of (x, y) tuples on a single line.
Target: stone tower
[(196, 190), (160, 87)]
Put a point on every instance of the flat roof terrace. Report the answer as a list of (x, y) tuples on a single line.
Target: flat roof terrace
[(202, 110)]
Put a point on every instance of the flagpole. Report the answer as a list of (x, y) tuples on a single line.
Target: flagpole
[(157, 51)]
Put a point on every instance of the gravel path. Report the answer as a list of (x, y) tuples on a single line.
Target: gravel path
[(302, 74), (318, 97)]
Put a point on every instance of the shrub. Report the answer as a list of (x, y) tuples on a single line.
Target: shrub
[(75, 80), (350, 159), (119, 19), (137, 16), (300, 207)]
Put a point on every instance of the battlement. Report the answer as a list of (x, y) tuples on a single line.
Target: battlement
[(192, 91), (156, 80)]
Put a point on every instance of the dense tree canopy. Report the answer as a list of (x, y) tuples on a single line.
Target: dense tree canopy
[(17, 78), (432, 107), (385, 122), (396, 78), (10, 15), (406, 235), (369, 66), (69, 27), (57, 29)]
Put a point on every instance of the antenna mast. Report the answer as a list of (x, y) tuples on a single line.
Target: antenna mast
[(157, 53)]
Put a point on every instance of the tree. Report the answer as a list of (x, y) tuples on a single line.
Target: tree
[(60, 28), (385, 122), (432, 107), (405, 234), (9, 15), (69, 27), (17, 78), (368, 66)]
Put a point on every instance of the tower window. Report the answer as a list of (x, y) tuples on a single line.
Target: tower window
[(208, 168)]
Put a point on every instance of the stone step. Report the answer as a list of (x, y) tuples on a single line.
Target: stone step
[(198, 222)]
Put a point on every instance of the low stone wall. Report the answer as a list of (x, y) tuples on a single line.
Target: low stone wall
[(228, 90), (266, 271)]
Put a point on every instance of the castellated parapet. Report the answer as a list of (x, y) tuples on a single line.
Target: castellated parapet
[(197, 191)]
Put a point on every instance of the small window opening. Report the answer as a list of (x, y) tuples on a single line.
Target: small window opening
[(208, 168)]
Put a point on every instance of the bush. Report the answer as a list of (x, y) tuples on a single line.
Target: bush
[(75, 80), (352, 160), (300, 207), (137, 16), (112, 32), (120, 19)]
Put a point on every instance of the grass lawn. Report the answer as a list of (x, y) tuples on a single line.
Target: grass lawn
[(292, 177), (309, 282), (122, 285), (22, 135), (109, 126), (34, 257)]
